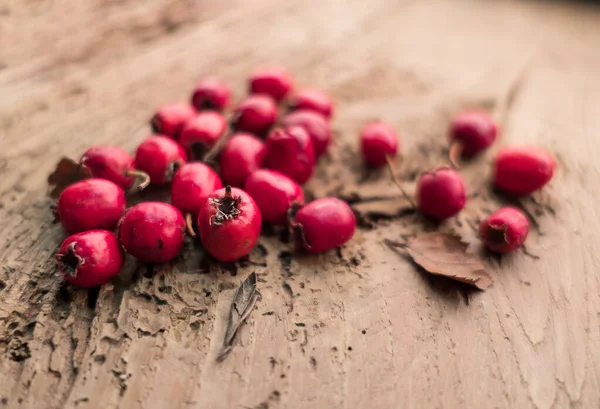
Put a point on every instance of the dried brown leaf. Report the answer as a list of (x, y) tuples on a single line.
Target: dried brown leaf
[(376, 200), (444, 254), (385, 207), (66, 173), (380, 189), (242, 304)]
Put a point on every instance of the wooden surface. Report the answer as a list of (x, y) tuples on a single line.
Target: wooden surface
[(362, 330)]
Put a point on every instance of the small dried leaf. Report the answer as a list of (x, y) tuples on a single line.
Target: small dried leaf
[(66, 173), (444, 254), (385, 207), (380, 189), (241, 306), (376, 200)]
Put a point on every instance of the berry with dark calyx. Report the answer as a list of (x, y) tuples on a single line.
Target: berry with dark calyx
[(522, 170), (229, 224), (242, 155), (91, 258), (160, 157), (170, 119), (152, 232), (211, 93), (290, 151), (323, 224), (440, 193), (114, 164), (191, 186), (256, 114), (471, 132), (315, 124), (504, 230), (275, 82), (202, 132), (91, 204), (313, 100), (378, 142), (274, 194)]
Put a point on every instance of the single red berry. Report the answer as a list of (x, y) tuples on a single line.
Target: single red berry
[(471, 132), (91, 204), (114, 164), (201, 133), (290, 151), (256, 114), (90, 258), (313, 100), (378, 141), (475, 130), (504, 230), (242, 155), (314, 124), (275, 82), (110, 163), (192, 185), (160, 157), (274, 194), (440, 193), (323, 224), (152, 232), (211, 93), (229, 224), (523, 170), (170, 119)]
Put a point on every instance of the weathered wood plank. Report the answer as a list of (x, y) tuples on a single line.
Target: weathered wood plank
[(363, 330)]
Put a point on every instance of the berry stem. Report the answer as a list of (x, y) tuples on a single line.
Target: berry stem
[(396, 181), (300, 237), (216, 149), (142, 179), (456, 149), (188, 225), (293, 211)]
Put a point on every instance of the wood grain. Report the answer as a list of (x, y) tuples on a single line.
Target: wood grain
[(362, 330)]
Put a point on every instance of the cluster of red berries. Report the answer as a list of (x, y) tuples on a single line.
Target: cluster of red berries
[(266, 157), (441, 192), (269, 158)]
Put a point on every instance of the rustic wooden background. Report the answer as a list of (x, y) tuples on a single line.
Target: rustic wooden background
[(358, 329)]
